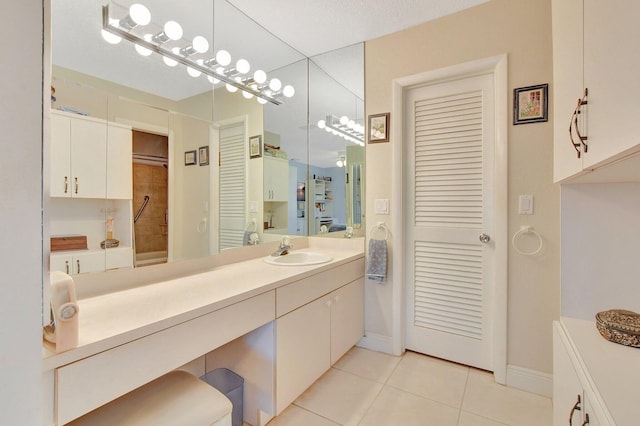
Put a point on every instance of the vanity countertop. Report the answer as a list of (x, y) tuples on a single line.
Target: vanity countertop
[(113, 319)]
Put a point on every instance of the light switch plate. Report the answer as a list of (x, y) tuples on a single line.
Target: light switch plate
[(253, 207), (525, 204), (381, 206)]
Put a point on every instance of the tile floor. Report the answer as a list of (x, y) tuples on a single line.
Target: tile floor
[(372, 388)]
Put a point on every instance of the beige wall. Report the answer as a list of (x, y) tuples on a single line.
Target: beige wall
[(521, 29)]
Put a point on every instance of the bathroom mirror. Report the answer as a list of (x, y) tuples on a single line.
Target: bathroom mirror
[(189, 198)]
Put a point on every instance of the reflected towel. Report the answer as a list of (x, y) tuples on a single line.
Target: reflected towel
[(246, 239), (377, 260)]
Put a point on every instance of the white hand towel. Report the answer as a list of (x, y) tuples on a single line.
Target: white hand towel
[(377, 260)]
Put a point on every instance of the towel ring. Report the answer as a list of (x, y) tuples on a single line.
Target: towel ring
[(253, 225), (526, 229), (379, 225)]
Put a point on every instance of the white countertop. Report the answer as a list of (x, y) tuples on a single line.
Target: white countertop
[(112, 319)]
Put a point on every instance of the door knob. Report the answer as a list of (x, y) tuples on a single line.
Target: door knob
[(484, 238)]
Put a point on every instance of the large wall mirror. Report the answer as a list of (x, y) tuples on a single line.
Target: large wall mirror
[(154, 162)]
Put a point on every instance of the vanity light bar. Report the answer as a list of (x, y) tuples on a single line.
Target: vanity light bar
[(343, 127), (108, 26)]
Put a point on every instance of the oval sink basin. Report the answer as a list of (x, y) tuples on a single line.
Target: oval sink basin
[(299, 258)]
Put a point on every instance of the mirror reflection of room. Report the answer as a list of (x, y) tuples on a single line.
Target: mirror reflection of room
[(160, 206)]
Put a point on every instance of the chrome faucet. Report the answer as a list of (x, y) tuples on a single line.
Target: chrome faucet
[(285, 246)]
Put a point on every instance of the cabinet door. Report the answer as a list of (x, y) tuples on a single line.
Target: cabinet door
[(567, 83), (302, 350), (567, 389), (88, 159), (61, 262), (276, 179), (119, 163), (611, 69), (60, 182), (347, 318), (92, 261)]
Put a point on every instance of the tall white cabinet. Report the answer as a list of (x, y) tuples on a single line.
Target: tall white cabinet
[(91, 177), (594, 48)]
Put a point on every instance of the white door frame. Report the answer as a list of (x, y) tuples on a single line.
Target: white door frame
[(498, 66)]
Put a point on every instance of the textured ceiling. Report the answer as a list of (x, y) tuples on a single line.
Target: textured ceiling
[(318, 26)]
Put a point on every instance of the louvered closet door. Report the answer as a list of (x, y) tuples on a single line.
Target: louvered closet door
[(449, 130), (233, 184)]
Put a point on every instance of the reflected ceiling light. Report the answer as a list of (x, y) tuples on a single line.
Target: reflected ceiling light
[(342, 162), (340, 127), (216, 68)]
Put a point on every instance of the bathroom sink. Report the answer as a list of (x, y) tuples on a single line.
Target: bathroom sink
[(299, 258)]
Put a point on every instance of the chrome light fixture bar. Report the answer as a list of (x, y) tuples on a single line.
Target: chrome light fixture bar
[(264, 91), (343, 127)]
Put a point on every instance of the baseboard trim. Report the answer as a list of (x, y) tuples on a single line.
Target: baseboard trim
[(376, 342), (530, 380)]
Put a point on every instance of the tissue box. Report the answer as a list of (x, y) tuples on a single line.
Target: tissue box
[(69, 242)]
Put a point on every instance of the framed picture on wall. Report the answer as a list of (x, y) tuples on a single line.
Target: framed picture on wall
[(190, 158), (203, 155), (530, 104), (379, 128), (255, 146)]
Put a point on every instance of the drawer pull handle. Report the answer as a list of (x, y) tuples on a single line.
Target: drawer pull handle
[(78, 263), (586, 419), (66, 184), (76, 185), (66, 264), (576, 407)]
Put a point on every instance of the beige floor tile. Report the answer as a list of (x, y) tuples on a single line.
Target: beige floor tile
[(468, 419), (376, 366), (431, 378), (296, 416), (504, 404), (394, 407), (340, 396)]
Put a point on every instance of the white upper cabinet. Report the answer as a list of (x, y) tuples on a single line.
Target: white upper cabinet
[(594, 50), (276, 179), (78, 157)]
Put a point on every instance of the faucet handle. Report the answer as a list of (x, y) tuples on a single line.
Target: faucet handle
[(286, 241)]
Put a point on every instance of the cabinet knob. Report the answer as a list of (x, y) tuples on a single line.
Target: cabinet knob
[(484, 238)]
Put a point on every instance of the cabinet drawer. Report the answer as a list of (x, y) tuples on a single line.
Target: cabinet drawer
[(299, 293), (92, 382)]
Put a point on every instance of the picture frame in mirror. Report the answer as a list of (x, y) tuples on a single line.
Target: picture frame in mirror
[(255, 146), (190, 158), (203, 155)]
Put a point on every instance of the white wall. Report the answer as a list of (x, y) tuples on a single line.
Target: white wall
[(20, 213), (522, 30)]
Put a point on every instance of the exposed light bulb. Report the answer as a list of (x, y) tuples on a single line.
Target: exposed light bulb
[(327, 129), (351, 124), (288, 91), (213, 80), (170, 62), (143, 50), (108, 37), (275, 84), (261, 101), (242, 66), (200, 44), (339, 163), (260, 76), (223, 58), (231, 88), (344, 120), (194, 72), (139, 14), (173, 30), (321, 124), (247, 95)]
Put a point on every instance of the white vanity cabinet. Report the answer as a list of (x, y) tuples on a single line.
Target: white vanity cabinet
[(77, 262), (569, 395), (313, 336), (593, 43), (276, 179)]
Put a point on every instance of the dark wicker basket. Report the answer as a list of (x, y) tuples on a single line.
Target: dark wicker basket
[(619, 326)]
